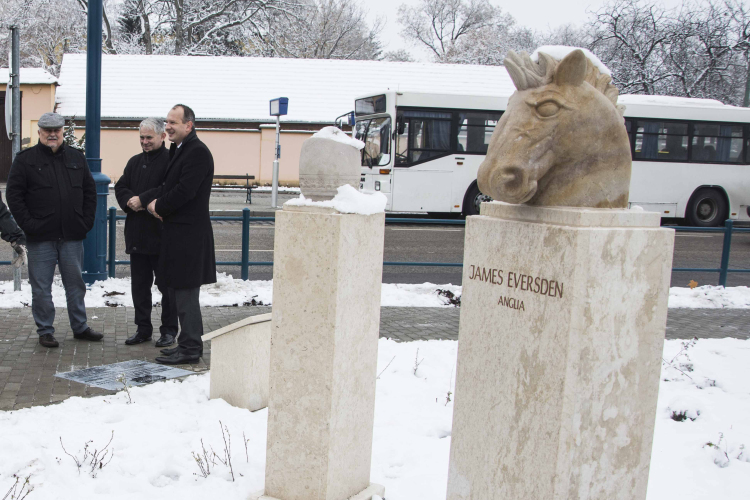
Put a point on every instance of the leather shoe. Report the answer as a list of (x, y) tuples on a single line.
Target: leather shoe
[(88, 334), (138, 338), (170, 351), (48, 340), (165, 340), (177, 359)]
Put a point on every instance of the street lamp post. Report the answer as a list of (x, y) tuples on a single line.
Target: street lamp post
[(279, 106), (15, 115), (95, 245)]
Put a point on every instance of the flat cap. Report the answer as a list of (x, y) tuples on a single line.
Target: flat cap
[(51, 120)]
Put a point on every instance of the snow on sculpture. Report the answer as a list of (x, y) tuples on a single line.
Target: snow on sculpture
[(562, 139)]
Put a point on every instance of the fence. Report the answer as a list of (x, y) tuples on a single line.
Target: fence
[(245, 261)]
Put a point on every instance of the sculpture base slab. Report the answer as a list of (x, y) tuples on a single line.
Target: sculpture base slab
[(561, 334), (366, 494)]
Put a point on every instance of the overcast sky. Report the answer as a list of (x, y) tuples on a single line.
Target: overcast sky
[(536, 14)]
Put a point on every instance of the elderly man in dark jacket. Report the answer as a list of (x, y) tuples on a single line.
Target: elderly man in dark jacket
[(143, 233), (52, 196), (187, 258)]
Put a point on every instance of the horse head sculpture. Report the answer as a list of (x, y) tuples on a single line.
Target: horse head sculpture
[(562, 139)]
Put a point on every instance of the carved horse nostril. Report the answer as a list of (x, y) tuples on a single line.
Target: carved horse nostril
[(512, 184), (513, 178)]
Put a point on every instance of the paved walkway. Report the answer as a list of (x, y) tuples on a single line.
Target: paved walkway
[(27, 370)]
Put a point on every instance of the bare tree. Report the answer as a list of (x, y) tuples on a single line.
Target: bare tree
[(206, 27), (698, 50), (49, 29), (440, 24), (490, 44), (320, 29), (134, 27), (108, 43), (631, 37), (702, 58), (400, 55)]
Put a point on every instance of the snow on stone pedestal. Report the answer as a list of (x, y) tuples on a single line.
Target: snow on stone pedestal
[(561, 333), (240, 357), (324, 341)]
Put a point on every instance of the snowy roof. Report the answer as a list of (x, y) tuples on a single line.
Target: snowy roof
[(668, 100), (240, 88), (681, 108), (29, 76)]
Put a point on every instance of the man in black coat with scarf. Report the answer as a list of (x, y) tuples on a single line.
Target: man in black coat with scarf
[(187, 258), (143, 233)]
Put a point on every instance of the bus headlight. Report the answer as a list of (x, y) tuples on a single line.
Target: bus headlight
[(377, 185)]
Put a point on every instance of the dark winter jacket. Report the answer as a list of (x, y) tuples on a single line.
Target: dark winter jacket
[(9, 230), (143, 172), (52, 196), (187, 258)]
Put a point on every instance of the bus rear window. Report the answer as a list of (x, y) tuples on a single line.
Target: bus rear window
[(716, 142), (370, 105)]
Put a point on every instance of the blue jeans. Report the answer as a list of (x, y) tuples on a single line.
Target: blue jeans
[(43, 257)]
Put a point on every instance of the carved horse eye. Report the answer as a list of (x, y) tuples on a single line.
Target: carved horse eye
[(548, 108)]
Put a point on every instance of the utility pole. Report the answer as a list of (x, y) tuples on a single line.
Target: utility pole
[(15, 85), (95, 244)]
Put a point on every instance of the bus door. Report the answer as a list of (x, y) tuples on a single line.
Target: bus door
[(377, 160), (424, 163)]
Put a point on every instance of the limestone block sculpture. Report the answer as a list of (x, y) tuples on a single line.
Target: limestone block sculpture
[(562, 139), (328, 159)]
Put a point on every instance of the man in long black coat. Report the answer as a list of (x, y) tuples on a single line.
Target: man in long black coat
[(146, 171), (187, 258)]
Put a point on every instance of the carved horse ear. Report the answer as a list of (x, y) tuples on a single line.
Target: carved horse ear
[(572, 69)]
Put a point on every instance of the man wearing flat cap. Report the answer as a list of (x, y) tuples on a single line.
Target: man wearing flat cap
[(52, 196)]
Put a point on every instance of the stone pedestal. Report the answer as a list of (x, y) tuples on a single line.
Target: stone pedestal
[(324, 339), (562, 326), (240, 355)]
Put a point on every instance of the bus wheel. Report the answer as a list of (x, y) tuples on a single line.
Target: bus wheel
[(707, 208), (473, 200)]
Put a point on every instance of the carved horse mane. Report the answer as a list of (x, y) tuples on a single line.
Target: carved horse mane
[(527, 74)]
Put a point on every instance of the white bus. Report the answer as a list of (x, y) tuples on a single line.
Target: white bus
[(690, 156)]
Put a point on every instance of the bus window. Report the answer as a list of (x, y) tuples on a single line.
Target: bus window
[(375, 133), (661, 140), (427, 134), (475, 131), (402, 140), (713, 142)]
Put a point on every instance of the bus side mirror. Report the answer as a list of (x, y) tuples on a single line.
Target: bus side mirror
[(400, 126)]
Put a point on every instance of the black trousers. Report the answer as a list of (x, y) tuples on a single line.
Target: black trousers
[(143, 269), (187, 301)]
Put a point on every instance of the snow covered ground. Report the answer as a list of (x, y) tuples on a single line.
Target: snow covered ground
[(155, 435), (228, 291)]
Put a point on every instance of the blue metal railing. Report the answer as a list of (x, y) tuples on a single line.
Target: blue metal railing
[(728, 230), (723, 268)]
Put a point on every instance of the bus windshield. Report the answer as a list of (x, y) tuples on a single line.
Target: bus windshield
[(375, 133)]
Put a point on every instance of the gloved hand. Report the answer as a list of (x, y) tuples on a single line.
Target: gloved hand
[(21, 258)]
